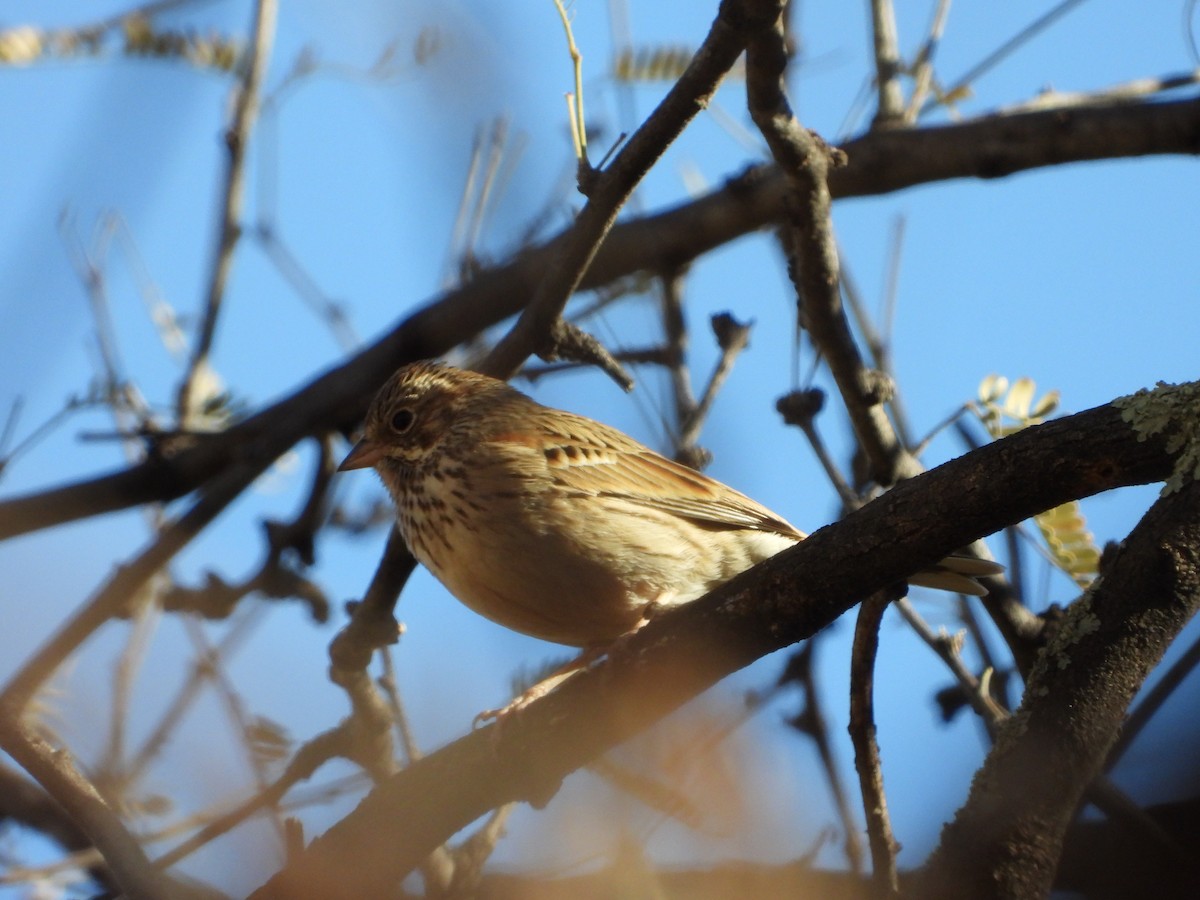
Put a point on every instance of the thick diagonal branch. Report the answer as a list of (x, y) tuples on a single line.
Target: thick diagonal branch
[(1006, 840)]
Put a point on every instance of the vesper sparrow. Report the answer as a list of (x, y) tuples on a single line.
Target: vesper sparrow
[(555, 525)]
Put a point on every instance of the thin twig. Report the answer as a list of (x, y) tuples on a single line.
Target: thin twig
[(732, 337), (540, 327), (800, 408), (310, 757), (237, 137), (966, 614), (55, 771), (923, 69), (890, 99), (878, 340), (1133, 91), (410, 751), (948, 650), (497, 145), (235, 712), (328, 309), (372, 622), (883, 358), (675, 339), (362, 737), (109, 600), (993, 59), (866, 748), (807, 161), (145, 620), (811, 721), (189, 691), (578, 125)]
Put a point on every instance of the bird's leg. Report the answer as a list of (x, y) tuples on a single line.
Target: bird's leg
[(543, 687), (589, 655), (566, 670)]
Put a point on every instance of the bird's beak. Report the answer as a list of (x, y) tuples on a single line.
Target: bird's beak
[(365, 453)]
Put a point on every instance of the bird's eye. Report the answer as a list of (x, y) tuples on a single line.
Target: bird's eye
[(403, 420)]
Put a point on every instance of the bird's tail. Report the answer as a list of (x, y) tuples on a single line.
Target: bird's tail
[(957, 574)]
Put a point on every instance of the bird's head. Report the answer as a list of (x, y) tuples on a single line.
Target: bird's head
[(420, 408)]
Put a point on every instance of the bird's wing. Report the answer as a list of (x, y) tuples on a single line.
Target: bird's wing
[(593, 459)]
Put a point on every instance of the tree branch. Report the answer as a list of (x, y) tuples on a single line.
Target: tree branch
[(881, 162), (539, 329), (55, 771), (1007, 839), (866, 745), (237, 136), (808, 163)]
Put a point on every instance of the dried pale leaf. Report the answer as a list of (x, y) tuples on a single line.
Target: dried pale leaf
[(1019, 398), (992, 388), (1072, 547), (1046, 405), (20, 46)]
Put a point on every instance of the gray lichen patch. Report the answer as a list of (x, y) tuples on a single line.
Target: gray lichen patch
[(1173, 411)]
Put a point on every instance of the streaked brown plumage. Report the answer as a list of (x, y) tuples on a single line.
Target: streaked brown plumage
[(555, 525)]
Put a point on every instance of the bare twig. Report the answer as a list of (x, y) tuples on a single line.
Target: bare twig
[(878, 339), (409, 750), (806, 161), (948, 650), (278, 576), (890, 99), (578, 122), (492, 160), (128, 580), (145, 619), (1126, 92), (637, 356), (540, 328), (363, 737), (372, 622), (55, 771), (811, 721), (866, 747), (966, 614), (800, 408), (189, 692), (923, 67), (235, 711), (993, 59), (129, 410), (237, 137), (328, 309), (675, 337), (311, 756), (732, 337)]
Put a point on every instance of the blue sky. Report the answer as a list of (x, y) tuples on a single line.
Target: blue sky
[(1082, 278)]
